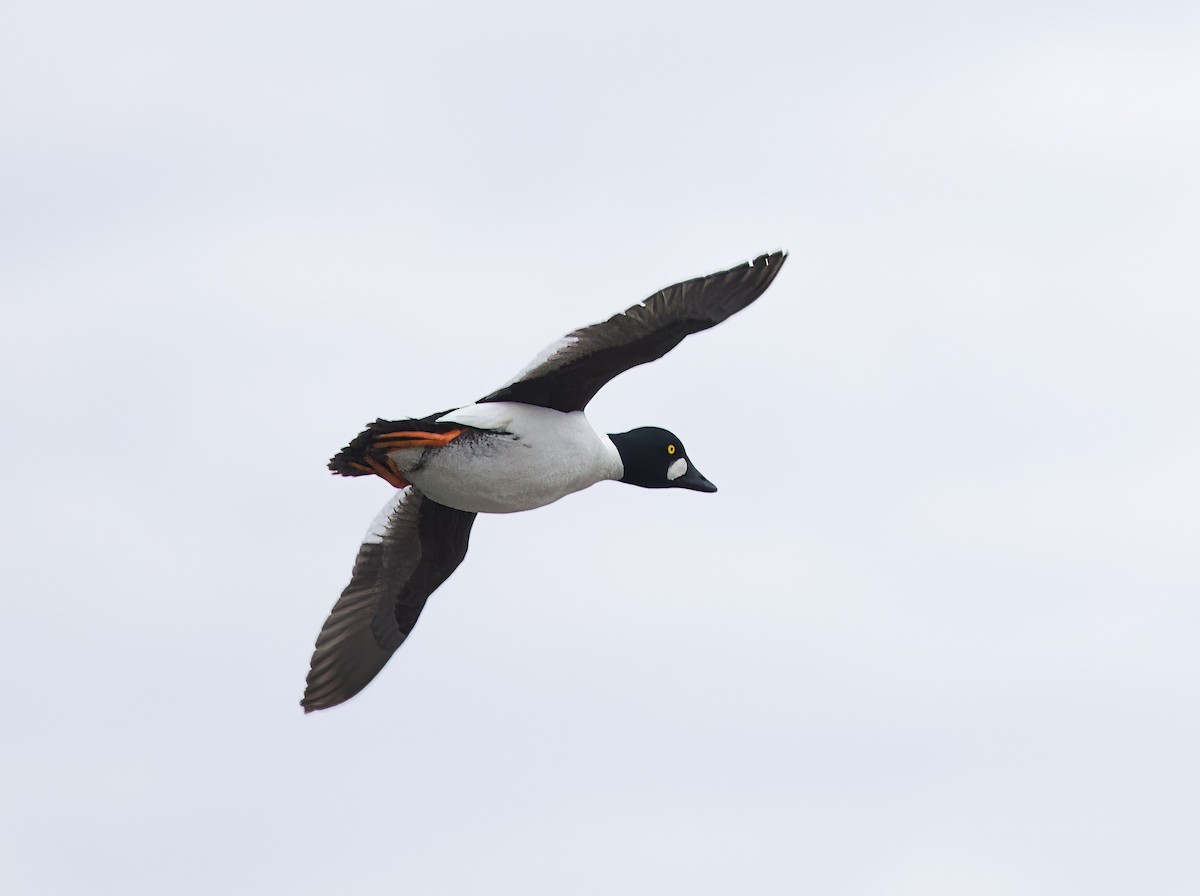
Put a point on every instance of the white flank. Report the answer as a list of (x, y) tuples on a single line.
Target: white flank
[(494, 415), (677, 469), (542, 455)]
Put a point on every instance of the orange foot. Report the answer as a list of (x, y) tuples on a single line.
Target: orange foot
[(385, 469)]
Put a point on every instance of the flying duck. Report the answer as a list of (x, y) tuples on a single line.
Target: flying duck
[(523, 446)]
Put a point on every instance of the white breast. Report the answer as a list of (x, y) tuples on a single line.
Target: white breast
[(516, 457)]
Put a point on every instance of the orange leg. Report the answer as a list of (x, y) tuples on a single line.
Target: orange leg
[(387, 471), (392, 441)]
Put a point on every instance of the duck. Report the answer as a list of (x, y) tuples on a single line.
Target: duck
[(520, 447)]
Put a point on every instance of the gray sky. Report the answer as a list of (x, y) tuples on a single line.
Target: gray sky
[(936, 634)]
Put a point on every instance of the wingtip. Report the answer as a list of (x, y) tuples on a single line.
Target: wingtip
[(763, 269), (779, 256), (318, 702)]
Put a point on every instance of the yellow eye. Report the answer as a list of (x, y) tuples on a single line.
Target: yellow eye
[(670, 449)]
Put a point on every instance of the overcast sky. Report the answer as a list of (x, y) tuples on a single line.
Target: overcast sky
[(937, 633)]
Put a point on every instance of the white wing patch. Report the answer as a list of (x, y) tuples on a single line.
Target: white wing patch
[(677, 469), (379, 525), (542, 357)]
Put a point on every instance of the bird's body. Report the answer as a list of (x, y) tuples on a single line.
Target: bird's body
[(520, 447), (511, 457)]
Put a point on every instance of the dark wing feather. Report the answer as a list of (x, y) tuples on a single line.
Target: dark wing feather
[(412, 549), (581, 363)]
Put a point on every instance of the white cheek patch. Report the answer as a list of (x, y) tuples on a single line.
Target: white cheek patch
[(677, 469)]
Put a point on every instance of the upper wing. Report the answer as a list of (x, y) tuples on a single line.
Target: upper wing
[(411, 548), (569, 373)]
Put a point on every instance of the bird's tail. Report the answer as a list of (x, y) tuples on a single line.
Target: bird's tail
[(368, 453)]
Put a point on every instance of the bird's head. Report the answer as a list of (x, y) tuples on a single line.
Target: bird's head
[(655, 458)]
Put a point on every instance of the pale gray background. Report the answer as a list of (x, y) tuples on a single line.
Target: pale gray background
[(937, 633)]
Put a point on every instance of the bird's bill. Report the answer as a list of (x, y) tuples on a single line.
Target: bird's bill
[(694, 480)]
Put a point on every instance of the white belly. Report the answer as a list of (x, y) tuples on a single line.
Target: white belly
[(543, 456)]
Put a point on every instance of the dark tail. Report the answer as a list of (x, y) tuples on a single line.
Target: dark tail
[(382, 436)]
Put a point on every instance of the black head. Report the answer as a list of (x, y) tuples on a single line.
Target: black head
[(655, 458)]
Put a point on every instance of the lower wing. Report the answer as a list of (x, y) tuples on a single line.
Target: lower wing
[(411, 548)]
